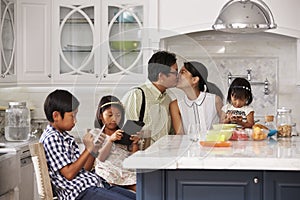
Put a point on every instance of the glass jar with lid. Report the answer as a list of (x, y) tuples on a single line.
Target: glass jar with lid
[(17, 122), (284, 122)]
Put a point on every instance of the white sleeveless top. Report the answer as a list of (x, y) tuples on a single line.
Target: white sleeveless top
[(199, 111)]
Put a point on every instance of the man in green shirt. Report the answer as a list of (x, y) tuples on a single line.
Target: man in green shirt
[(162, 74)]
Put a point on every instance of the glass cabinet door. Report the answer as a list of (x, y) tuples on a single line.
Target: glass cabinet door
[(8, 38), (125, 55), (76, 36)]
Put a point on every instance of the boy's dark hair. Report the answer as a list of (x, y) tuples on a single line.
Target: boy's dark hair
[(160, 62), (105, 103), (61, 101), (240, 88)]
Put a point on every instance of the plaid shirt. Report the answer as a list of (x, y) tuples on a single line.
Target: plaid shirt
[(61, 150)]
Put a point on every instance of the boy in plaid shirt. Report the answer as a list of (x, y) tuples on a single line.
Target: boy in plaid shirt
[(68, 169)]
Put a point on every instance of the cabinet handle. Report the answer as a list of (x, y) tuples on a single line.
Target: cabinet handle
[(104, 75), (97, 75), (255, 180), (49, 75)]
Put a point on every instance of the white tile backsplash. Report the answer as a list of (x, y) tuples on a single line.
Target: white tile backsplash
[(88, 96), (269, 56)]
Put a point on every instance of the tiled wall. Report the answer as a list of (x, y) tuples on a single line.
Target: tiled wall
[(88, 96), (269, 56), (261, 69)]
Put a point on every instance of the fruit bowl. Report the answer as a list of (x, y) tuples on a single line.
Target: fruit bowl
[(218, 135), (124, 45)]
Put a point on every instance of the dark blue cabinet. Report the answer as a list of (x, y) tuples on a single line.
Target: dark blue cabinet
[(214, 185), (218, 185), (282, 185)]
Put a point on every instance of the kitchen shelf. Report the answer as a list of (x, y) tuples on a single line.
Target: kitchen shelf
[(74, 51), (77, 21)]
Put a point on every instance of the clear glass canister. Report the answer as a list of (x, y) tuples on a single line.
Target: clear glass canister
[(284, 122), (17, 122)]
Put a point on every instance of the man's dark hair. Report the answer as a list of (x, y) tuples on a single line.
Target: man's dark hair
[(61, 101), (160, 62)]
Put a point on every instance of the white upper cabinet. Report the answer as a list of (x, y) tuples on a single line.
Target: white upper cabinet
[(98, 42), (34, 47), (8, 41), (125, 45), (76, 35)]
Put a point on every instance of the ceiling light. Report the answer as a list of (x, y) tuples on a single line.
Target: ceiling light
[(245, 16)]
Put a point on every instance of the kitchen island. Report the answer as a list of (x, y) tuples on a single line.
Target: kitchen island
[(176, 168)]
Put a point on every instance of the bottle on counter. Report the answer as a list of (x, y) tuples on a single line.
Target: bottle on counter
[(284, 122), (270, 124), (294, 130), (17, 122)]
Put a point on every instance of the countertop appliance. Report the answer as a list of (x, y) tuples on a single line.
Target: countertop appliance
[(21, 170), (9, 171)]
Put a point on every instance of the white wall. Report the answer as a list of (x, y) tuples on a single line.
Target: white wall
[(88, 96)]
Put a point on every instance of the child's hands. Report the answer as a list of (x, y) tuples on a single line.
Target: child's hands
[(88, 141), (100, 141), (116, 135), (228, 118), (135, 139), (236, 119)]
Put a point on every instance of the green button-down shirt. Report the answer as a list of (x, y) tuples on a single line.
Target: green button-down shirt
[(157, 118)]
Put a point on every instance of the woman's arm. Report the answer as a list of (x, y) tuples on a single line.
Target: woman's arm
[(176, 117), (219, 105), (225, 118)]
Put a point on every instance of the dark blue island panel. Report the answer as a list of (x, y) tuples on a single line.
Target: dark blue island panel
[(189, 184), (282, 185)]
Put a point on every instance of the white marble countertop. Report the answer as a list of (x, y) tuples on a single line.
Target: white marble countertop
[(178, 152)]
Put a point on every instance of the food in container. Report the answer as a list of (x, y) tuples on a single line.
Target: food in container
[(259, 133), (284, 131), (218, 135), (223, 126), (284, 122), (239, 135)]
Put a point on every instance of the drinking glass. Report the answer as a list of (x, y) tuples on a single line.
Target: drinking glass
[(194, 132)]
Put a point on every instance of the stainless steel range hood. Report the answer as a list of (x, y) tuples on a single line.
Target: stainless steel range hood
[(245, 16)]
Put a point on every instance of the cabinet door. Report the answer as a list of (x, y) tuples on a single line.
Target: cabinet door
[(8, 41), (281, 185), (75, 38), (214, 184), (124, 51), (34, 50)]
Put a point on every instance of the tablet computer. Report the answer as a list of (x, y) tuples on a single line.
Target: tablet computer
[(131, 127)]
